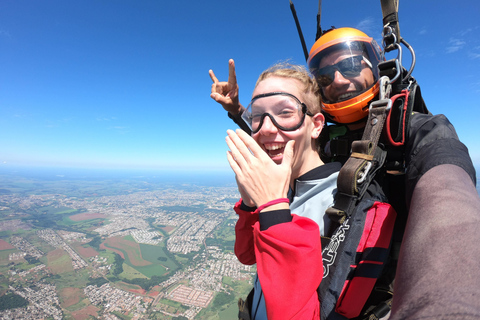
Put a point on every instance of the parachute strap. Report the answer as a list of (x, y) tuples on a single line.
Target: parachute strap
[(366, 159), (391, 28)]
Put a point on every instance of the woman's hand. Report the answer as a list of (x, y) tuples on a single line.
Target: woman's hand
[(259, 179), (226, 92)]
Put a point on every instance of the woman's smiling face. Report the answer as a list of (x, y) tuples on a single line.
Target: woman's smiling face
[(273, 140)]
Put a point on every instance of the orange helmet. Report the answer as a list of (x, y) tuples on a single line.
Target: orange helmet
[(358, 52)]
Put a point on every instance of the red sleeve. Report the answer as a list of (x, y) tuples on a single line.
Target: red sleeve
[(244, 248), (289, 266)]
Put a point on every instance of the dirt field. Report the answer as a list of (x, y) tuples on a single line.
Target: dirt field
[(86, 252), (86, 216), (71, 296), (121, 245), (131, 288), (102, 246), (168, 228), (59, 261), (153, 293), (85, 313), (4, 245), (139, 291)]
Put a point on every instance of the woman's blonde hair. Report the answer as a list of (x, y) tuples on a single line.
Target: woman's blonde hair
[(310, 88)]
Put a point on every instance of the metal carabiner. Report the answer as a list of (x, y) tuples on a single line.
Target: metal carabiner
[(385, 88), (387, 32)]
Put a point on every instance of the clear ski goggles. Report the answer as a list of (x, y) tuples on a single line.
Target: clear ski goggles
[(285, 111), (349, 68)]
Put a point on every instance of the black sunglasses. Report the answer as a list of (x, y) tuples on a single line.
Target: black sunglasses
[(349, 68)]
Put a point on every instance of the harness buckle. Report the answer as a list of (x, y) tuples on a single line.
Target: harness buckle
[(381, 103), (362, 175)]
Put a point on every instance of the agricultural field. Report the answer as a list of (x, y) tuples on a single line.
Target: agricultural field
[(144, 259)]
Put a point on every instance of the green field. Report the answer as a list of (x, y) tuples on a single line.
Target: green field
[(151, 254), (130, 273), (4, 256)]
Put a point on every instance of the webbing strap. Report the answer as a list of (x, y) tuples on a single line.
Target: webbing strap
[(390, 19), (360, 168)]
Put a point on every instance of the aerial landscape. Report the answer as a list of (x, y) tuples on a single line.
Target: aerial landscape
[(118, 248), (117, 245)]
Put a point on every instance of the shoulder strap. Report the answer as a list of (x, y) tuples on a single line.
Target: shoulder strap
[(354, 179), (359, 170)]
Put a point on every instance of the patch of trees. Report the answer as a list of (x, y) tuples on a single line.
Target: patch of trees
[(224, 244), (31, 259), (117, 264), (120, 315), (171, 256), (222, 299), (162, 259), (95, 242), (42, 220), (189, 255), (51, 278), (11, 301), (97, 281), (150, 220), (145, 283)]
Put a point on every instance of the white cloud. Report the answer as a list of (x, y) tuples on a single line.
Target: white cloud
[(455, 45), (106, 118), (368, 26), (474, 55), (466, 31), (120, 129), (372, 27)]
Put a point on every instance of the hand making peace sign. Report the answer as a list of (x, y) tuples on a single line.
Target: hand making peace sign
[(226, 93)]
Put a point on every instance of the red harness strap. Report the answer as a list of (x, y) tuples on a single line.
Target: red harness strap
[(404, 94), (371, 249)]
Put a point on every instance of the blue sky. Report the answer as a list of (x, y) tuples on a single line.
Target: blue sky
[(124, 84)]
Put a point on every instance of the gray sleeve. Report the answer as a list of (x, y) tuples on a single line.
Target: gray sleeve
[(432, 141), (438, 275)]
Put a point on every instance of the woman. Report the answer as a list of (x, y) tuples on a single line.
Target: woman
[(285, 189)]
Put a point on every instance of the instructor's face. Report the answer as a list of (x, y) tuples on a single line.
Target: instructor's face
[(343, 87)]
